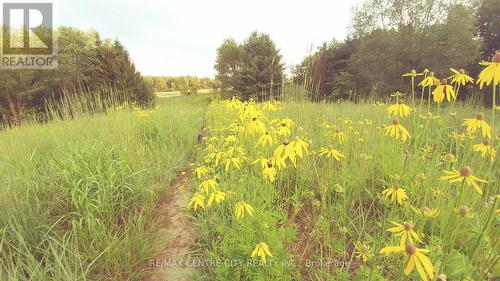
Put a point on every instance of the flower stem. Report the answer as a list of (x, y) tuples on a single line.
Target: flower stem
[(476, 246)]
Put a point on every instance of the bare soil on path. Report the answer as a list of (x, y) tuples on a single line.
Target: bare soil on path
[(175, 236)]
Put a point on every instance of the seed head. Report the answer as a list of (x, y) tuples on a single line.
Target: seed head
[(463, 211), (395, 122), (407, 226), (461, 71), (410, 249), (286, 142), (465, 171), (480, 116), (496, 57), (269, 164), (444, 82), (449, 157), (364, 248), (486, 142)]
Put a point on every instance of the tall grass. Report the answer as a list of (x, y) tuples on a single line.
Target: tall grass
[(76, 195), (314, 212)]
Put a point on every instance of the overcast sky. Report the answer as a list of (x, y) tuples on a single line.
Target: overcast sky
[(181, 37)]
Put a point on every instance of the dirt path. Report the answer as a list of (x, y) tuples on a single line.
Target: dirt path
[(175, 236)]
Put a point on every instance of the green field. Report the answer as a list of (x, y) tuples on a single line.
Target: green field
[(79, 195), (179, 93)]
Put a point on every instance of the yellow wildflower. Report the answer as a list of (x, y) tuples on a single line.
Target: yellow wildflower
[(400, 109), (459, 77), (443, 88), (330, 152), (218, 196), (198, 200), (405, 231), (397, 131), (464, 175), (416, 258), (485, 148), (491, 73), (362, 250), (261, 250), (396, 193), (241, 208)]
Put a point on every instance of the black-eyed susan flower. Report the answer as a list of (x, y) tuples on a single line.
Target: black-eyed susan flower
[(459, 77), (491, 73), (230, 139), (474, 124), (400, 109), (443, 89), (330, 152), (285, 151), (449, 158), (241, 208), (465, 212), (198, 200), (486, 149), (397, 131), (284, 127), (396, 193), (362, 251), (301, 147), (416, 259), (217, 196), (406, 231), (261, 250), (464, 175), (338, 135), (426, 212), (202, 171), (269, 172), (429, 80), (267, 139), (255, 126), (208, 184), (412, 73), (436, 192)]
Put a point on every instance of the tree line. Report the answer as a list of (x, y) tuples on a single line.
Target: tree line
[(87, 65), (181, 83), (391, 37), (253, 68)]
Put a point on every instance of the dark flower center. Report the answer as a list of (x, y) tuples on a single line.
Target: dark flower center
[(395, 122), (410, 249), (463, 211), (407, 226), (480, 116), (496, 57), (465, 171)]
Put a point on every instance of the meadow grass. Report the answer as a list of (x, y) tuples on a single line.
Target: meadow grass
[(77, 194), (312, 215)]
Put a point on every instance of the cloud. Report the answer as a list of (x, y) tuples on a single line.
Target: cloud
[(181, 37)]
